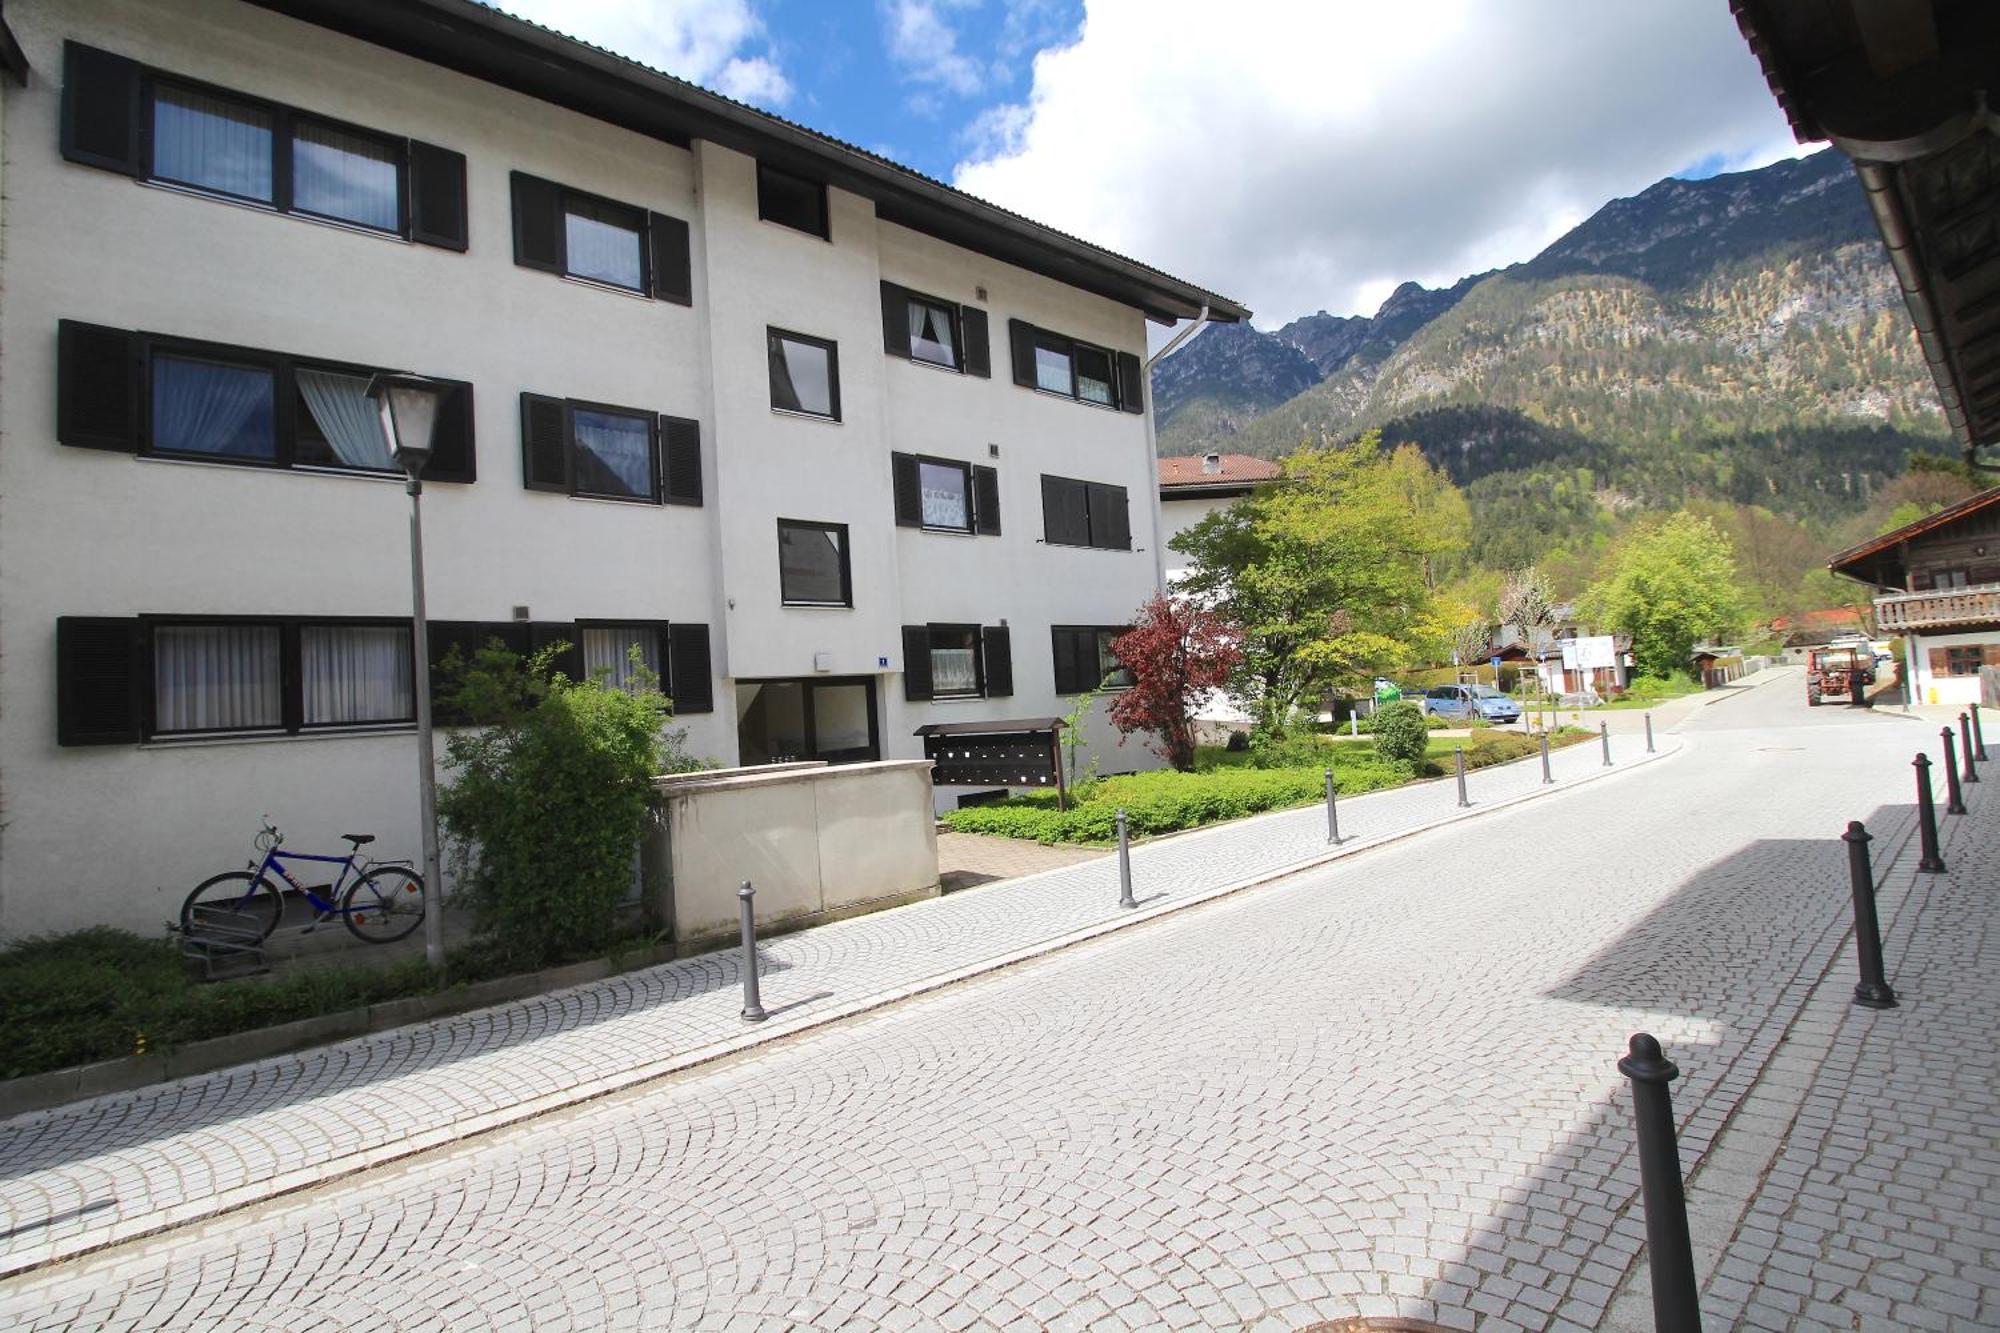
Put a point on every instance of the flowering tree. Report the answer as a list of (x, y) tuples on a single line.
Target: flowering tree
[(1178, 652)]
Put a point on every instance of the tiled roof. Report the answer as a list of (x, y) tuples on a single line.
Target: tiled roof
[(1230, 469)]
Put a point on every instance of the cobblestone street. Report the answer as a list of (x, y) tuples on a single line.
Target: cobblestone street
[(1380, 1086)]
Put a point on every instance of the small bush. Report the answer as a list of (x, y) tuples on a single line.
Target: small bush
[(1401, 735)]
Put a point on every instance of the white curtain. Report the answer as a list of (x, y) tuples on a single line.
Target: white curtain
[(953, 671), (943, 491), (615, 454), (1093, 377), (1052, 370), (601, 247), (345, 414), (930, 334), (340, 175), (200, 407), (217, 145), (609, 649), (216, 677), (356, 673)]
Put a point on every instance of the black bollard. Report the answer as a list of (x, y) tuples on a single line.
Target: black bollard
[(1458, 762), (1927, 828), (1978, 734), (1548, 777), (1954, 798), (1676, 1307), (1649, 734), (1872, 991), (1604, 736), (1125, 898), (1965, 744), (1332, 812), (753, 1004)]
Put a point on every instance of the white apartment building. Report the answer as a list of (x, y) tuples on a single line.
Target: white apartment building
[(842, 450)]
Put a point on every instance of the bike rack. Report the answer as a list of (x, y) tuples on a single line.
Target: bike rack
[(219, 937)]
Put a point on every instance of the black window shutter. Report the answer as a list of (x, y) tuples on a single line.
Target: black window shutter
[(896, 320), (978, 356), (1021, 337), (917, 662), (97, 387), (690, 683), (986, 501), (437, 196), (904, 480), (544, 443), (1131, 389), (1071, 647), (1065, 511), (673, 268), (1110, 517), (569, 661), (996, 646), (680, 466), (99, 686), (538, 232), (100, 110), (453, 457), (443, 638)]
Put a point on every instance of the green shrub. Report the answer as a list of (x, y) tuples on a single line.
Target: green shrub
[(1401, 735)]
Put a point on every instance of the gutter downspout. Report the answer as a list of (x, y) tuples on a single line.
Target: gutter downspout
[(1153, 451)]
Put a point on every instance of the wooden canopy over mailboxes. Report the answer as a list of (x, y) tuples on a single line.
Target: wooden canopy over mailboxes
[(1023, 752)]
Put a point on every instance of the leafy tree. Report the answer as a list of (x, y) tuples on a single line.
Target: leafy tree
[(1178, 652), (1325, 573), (1673, 585)]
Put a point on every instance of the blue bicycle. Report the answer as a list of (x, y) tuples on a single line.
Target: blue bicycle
[(380, 902)]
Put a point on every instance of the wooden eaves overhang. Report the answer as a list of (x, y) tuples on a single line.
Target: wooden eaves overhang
[(1902, 87), (485, 43), (1881, 562)]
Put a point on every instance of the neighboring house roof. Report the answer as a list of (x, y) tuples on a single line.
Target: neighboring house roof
[(486, 43), (1902, 90), (1865, 562), (1204, 476)]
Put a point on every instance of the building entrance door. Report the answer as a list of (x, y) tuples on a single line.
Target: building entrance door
[(821, 717)]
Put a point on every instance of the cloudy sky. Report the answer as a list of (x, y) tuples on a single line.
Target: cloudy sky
[(1297, 155)]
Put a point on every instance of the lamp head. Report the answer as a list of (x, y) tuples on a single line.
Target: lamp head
[(409, 408)]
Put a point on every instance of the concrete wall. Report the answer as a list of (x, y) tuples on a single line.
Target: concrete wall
[(1935, 687), (1176, 517)]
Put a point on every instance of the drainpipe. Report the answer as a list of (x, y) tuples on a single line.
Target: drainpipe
[(1153, 451)]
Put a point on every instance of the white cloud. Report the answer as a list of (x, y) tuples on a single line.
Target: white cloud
[(719, 44), (925, 47), (1312, 155)]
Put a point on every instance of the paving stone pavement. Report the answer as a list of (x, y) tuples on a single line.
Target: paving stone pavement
[(92, 1173), (1380, 1087)]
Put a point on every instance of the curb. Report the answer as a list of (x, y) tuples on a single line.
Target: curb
[(170, 1218)]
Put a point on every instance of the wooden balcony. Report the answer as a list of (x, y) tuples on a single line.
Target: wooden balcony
[(1938, 610)]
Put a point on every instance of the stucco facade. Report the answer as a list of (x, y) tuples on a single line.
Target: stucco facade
[(117, 832)]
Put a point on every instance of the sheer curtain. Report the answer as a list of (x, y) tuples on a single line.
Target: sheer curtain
[(602, 245), (1052, 370), (356, 673), (342, 175), (953, 671), (346, 416), (943, 491), (201, 407), (216, 677), (609, 649), (212, 143), (615, 454), (930, 334)]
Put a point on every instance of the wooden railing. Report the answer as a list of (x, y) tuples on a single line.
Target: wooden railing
[(1936, 610)]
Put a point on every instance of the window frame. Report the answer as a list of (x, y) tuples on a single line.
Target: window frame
[(832, 349), (846, 564), (571, 406), (659, 629), (932, 630), (950, 310), (825, 229), (642, 235), (283, 120), (1957, 654), (1067, 347), (971, 525), (291, 676), (1103, 683)]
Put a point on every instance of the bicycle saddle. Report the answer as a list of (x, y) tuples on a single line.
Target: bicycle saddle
[(358, 839)]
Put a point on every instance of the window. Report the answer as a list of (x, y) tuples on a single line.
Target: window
[(946, 489), (1963, 660), (122, 116), (166, 397), (954, 654), (957, 662), (603, 452), (944, 495), (805, 374), (791, 201), (626, 654), (1055, 363), (812, 564), (580, 235), (1085, 513), (934, 331), (262, 675), (1084, 660)]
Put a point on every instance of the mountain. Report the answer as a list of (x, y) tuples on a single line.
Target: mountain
[(1740, 338)]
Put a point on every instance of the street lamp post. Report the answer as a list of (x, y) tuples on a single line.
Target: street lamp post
[(409, 408)]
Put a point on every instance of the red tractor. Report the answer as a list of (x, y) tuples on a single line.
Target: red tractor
[(1835, 671)]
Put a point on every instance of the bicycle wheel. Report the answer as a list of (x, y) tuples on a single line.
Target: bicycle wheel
[(234, 901), (385, 904)]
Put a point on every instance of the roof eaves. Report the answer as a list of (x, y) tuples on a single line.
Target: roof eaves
[(1971, 504)]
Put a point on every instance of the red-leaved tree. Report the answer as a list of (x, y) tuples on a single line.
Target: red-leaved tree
[(1178, 653)]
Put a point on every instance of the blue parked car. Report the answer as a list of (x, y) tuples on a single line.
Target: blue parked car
[(1466, 702)]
